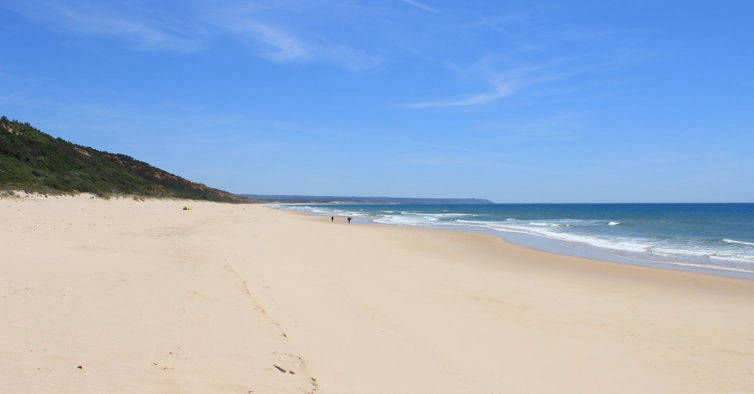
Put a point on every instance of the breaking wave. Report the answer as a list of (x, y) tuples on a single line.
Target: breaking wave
[(633, 235)]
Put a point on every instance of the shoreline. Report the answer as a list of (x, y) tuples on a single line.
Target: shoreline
[(561, 247), (506, 243), (147, 298)]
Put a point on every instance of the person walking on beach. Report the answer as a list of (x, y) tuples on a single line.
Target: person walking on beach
[(349, 220), (332, 219)]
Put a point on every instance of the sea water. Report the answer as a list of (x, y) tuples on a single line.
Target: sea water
[(711, 238)]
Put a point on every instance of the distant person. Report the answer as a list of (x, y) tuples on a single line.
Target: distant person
[(332, 218), (349, 220)]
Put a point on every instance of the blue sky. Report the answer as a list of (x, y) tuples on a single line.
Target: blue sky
[(516, 101)]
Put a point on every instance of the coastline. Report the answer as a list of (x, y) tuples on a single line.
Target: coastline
[(525, 242), (219, 295), (550, 244)]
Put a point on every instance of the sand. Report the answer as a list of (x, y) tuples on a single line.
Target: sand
[(146, 297)]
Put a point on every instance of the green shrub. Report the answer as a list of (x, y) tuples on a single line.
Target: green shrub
[(35, 161)]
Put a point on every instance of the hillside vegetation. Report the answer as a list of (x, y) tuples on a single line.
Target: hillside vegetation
[(35, 161)]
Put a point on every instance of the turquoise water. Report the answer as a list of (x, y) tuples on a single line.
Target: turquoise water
[(713, 238)]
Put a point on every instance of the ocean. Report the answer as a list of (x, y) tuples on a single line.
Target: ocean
[(709, 238)]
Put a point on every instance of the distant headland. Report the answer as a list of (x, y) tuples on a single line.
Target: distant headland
[(297, 199)]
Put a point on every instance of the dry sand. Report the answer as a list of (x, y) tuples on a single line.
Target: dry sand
[(145, 297)]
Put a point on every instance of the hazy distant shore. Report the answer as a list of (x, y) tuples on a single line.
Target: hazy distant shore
[(303, 199), (140, 296)]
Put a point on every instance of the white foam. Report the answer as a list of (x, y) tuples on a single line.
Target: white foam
[(438, 215), (406, 220), (553, 231), (733, 241), (739, 255), (321, 211), (668, 249), (544, 224)]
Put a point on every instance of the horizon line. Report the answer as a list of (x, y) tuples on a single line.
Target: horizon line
[(492, 201)]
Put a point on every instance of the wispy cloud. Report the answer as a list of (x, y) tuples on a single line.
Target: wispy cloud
[(502, 84), (277, 45), (268, 31), (267, 27), (421, 6), (501, 90), (280, 45), (506, 82), (86, 18)]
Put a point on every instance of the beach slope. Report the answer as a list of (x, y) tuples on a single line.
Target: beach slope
[(126, 296)]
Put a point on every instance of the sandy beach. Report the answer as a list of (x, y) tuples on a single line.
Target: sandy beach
[(134, 296)]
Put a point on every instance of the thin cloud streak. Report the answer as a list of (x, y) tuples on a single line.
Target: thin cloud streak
[(501, 91), (280, 45), (143, 34), (507, 82), (286, 43), (421, 6), (272, 41)]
